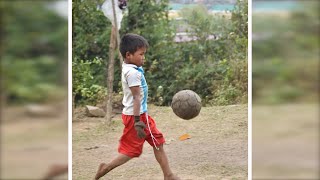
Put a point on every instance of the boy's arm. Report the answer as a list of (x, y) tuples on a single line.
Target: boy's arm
[(135, 90), (138, 125)]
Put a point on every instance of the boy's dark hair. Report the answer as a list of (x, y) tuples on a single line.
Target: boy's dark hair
[(131, 43)]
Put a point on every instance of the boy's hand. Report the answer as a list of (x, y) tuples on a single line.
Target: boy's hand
[(139, 126)]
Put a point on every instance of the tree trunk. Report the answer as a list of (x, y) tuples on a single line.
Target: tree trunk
[(118, 45), (110, 75), (117, 32)]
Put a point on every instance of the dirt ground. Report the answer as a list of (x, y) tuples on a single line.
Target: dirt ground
[(217, 149), (31, 144), (285, 143)]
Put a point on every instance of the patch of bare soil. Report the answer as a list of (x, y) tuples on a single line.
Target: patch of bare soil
[(217, 149), (31, 144), (285, 143)]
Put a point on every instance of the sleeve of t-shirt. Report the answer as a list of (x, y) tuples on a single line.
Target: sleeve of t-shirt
[(133, 78)]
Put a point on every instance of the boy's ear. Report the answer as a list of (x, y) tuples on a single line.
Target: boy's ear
[(127, 54)]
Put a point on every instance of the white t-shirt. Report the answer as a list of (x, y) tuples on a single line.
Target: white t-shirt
[(133, 76)]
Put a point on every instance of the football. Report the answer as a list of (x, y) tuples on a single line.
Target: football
[(186, 104)]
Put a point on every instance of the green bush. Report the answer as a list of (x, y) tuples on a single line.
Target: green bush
[(85, 87)]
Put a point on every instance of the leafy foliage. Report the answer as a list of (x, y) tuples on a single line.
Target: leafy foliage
[(240, 18), (90, 36), (85, 86), (208, 67), (215, 69), (90, 32)]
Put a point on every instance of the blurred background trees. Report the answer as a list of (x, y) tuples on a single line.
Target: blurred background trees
[(210, 58), (34, 87), (285, 53), (33, 52)]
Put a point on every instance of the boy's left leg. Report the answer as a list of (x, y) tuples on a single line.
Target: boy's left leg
[(164, 163), (105, 168)]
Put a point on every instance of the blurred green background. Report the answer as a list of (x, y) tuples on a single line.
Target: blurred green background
[(285, 52), (34, 74), (33, 52), (285, 89)]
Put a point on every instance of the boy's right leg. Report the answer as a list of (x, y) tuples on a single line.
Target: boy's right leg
[(105, 168), (162, 159)]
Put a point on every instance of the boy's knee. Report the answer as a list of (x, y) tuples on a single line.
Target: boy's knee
[(137, 154), (131, 154)]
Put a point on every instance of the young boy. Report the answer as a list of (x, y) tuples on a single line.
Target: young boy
[(139, 126)]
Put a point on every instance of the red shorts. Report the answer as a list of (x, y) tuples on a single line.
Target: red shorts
[(130, 144)]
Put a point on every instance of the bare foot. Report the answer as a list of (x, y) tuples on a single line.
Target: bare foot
[(102, 170), (171, 177)]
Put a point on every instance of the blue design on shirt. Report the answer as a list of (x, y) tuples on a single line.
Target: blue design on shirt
[(144, 87)]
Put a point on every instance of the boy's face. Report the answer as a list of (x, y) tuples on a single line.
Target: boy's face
[(137, 58)]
